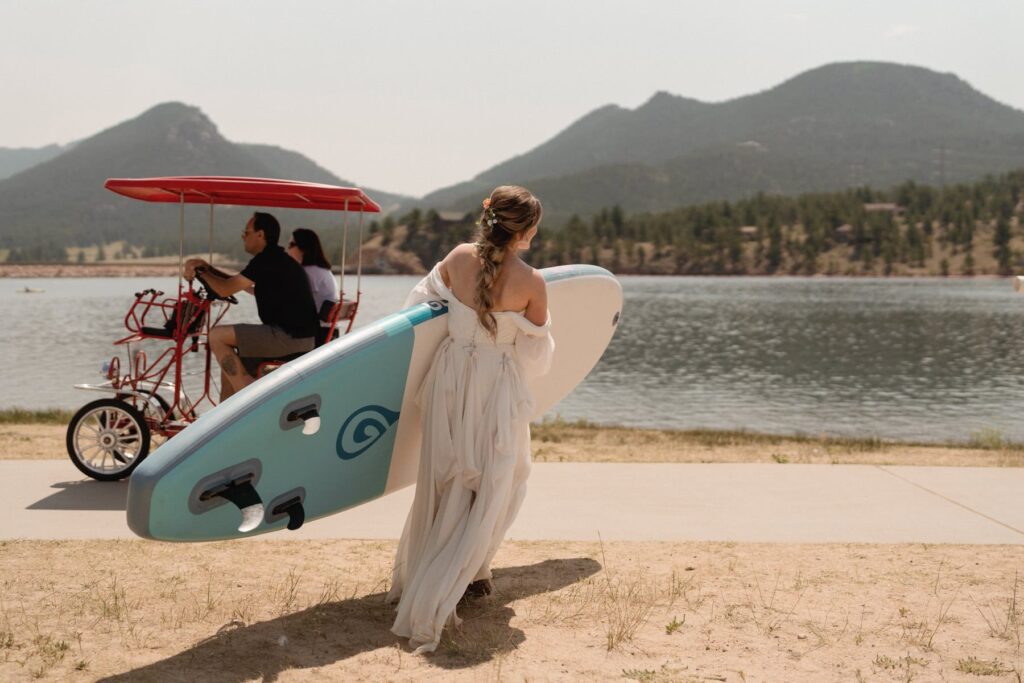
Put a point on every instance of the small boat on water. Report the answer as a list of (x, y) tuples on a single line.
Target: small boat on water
[(30, 290)]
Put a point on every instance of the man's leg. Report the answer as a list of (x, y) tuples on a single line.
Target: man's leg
[(233, 374), (226, 388)]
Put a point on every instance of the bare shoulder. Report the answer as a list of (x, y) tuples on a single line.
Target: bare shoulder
[(460, 256), (529, 277), (463, 251), (536, 280)]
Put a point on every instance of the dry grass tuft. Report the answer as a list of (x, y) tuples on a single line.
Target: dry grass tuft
[(982, 667), (922, 632), (766, 616), (627, 604), (1003, 620)]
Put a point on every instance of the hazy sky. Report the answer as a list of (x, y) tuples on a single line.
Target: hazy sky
[(412, 96)]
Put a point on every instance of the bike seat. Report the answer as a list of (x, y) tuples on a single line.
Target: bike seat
[(167, 330)]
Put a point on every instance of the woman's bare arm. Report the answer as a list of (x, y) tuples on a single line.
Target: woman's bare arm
[(537, 308)]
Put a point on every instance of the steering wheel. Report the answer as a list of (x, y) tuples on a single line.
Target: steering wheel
[(211, 294)]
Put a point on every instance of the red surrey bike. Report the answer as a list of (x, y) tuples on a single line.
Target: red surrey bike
[(150, 401)]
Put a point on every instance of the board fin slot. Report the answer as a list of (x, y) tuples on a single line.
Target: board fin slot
[(302, 412), (244, 496), (293, 508), (309, 416)]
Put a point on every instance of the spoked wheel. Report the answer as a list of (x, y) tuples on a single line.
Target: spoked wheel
[(154, 414), (107, 439)]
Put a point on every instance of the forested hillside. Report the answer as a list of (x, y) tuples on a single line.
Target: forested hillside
[(967, 229)]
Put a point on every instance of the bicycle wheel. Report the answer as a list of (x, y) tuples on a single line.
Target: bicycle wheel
[(107, 439), (154, 415)]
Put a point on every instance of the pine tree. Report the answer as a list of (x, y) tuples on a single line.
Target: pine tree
[(1002, 246), (774, 245)]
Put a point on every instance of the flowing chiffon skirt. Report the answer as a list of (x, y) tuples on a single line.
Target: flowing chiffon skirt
[(474, 462)]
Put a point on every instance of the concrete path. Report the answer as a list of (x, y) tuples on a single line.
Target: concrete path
[(48, 499)]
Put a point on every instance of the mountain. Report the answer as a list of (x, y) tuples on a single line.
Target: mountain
[(62, 200), (832, 127), (294, 166), (16, 159)]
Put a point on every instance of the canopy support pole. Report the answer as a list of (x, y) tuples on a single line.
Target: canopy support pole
[(359, 261), (181, 240), (344, 246), (211, 231)]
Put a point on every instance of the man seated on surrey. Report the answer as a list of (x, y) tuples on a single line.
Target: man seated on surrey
[(283, 299)]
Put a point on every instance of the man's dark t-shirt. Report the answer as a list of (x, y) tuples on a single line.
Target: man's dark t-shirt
[(283, 296)]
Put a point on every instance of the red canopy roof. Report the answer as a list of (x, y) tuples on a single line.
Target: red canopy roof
[(289, 194)]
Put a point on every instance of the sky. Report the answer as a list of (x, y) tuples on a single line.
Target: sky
[(410, 97)]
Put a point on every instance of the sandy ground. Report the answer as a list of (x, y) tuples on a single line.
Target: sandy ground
[(558, 442), (279, 610)]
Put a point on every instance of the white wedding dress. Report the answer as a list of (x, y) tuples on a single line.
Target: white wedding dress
[(474, 460)]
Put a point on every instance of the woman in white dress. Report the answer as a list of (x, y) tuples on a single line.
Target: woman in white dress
[(476, 408), (305, 248)]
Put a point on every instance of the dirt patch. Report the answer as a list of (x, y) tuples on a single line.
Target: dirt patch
[(617, 444), (571, 442), (32, 441), (298, 611)]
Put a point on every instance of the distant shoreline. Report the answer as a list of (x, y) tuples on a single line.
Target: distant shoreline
[(136, 269), (112, 269)]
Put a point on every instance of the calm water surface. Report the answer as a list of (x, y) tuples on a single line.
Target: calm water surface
[(905, 359)]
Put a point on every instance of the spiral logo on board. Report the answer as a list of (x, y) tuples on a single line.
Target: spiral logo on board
[(364, 428)]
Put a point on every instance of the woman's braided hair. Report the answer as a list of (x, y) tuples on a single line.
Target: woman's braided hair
[(508, 213)]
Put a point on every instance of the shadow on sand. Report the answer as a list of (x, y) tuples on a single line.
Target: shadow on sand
[(332, 632)]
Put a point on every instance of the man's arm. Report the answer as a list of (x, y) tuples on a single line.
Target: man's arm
[(221, 282), (216, 271)]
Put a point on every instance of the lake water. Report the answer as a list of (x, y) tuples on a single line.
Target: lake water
[(923, 359)]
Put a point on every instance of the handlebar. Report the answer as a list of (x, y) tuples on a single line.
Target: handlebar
[(211, 294)]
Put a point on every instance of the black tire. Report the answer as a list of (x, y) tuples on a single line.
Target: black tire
[(107, 429)]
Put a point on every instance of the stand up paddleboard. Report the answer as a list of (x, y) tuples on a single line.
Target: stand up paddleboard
[(339, 426)]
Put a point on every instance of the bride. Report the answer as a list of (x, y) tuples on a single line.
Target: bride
[(475, 456)]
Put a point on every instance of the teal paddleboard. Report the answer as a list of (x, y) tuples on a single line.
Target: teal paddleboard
[(339, 427)]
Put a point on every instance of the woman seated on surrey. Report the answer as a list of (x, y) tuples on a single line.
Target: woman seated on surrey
[(306, 249)]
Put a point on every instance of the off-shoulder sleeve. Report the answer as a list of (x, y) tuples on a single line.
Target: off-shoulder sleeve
[(430, 288), (535, 347)]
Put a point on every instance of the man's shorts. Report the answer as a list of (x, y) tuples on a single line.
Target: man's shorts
[(257, 343)]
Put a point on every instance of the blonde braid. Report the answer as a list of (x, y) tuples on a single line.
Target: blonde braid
[(508, 213), (491, 257)]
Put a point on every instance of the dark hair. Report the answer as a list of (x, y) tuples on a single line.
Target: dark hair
[(309, 244), (509, 212), (268, 225)]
